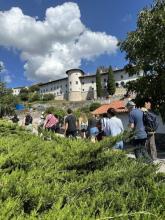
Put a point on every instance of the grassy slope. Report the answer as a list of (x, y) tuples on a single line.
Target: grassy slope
[(65, 179)]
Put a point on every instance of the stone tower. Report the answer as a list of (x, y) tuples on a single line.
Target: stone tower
[(74, 84)]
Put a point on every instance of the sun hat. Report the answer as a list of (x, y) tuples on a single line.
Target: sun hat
[(130, 104)]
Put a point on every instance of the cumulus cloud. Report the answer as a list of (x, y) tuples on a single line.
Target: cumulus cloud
[(55, 44)]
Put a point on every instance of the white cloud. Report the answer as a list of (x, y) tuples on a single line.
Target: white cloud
[(2, 67), (53, 45)]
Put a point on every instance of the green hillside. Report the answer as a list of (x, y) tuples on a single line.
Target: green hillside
[(69, 179)]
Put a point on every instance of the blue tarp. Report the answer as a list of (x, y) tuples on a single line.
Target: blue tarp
[(20, 107)]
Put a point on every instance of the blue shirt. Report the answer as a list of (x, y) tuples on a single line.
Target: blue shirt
[(136, 118)]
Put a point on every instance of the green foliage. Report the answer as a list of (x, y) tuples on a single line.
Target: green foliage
[(48, 97), (24, 94), (94, 106), (145, 50), (111, 85), (34, 88), (98, 84), (56, 111), (74, 179), (34, 97), (7, 101)]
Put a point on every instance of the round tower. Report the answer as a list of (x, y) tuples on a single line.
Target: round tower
[(74, 84)]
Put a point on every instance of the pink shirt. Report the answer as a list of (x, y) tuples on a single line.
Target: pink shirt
[(50, 121)]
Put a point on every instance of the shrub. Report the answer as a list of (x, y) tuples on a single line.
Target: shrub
[(48, 97), (74, 179), (94, 106), (34, 97)]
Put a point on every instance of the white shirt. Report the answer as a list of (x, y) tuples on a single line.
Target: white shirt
[(114, 126)]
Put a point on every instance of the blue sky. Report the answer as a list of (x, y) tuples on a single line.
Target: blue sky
[(94, 23)]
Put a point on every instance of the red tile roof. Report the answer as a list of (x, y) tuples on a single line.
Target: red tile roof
[(118, 105)]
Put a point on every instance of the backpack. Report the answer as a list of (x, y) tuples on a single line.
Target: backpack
[(150, 122), (83, 126), (28, 119)]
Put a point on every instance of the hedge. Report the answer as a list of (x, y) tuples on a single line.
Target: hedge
[(74, 179)]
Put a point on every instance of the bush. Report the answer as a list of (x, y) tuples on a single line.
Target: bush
[(74, 179), (94, 106), (34, 97), (48, 97)]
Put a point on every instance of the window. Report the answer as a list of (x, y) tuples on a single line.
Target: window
[(92, 88), (70, 89), (122, 76), (61, 86), (82, 83), (66, 85), (105, 87), (83, 90), (57, 87), (76, 82), (57, 93), (51, 89), (117, 85), (92, 81), (105, 80), (70, 82), (54, 88)]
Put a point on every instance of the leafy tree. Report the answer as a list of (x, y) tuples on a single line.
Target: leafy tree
[(145, 50), (111, 85), (98, 84), (24, 94), (34, 88), (7, 100)]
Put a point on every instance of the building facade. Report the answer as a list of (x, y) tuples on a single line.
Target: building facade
[(78, 86)]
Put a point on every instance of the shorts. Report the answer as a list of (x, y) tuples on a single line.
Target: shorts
[(93, 131)]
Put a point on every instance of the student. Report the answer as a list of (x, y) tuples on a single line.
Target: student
[(83, 125), (114, 127), (92, 128), (50, 122), (151, 124), (15, 118), (140, 136), (70, 124)]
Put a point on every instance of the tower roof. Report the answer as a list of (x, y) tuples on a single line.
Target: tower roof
[(71, 70)]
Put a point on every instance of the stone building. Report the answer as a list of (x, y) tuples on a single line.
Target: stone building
[(78, 86)]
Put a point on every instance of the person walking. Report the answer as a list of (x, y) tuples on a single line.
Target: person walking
[(93, 130), (114, 127), (70, 125), (50, 122), (140, 135), (83, 125), (151, 124)]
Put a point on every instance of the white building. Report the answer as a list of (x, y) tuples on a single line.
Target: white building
[(16, 91), (79, 86)]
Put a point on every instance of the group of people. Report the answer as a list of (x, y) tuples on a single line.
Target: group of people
[(108, 124)]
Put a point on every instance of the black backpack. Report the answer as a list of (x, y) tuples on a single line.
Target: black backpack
[(28, 119), (150, 121)]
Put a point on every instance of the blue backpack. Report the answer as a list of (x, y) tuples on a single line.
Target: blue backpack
[(150, 121)]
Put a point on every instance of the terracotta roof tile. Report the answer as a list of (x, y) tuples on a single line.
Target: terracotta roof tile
[(118, 105)]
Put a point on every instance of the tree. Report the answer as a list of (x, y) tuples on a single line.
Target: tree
[(24, 94), (111, 85), (145, 50), (98, 84)]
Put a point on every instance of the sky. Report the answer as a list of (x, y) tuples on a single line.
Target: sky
[(41, 39)]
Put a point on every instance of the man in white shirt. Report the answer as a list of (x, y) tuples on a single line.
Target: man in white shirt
[(115, 127)]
